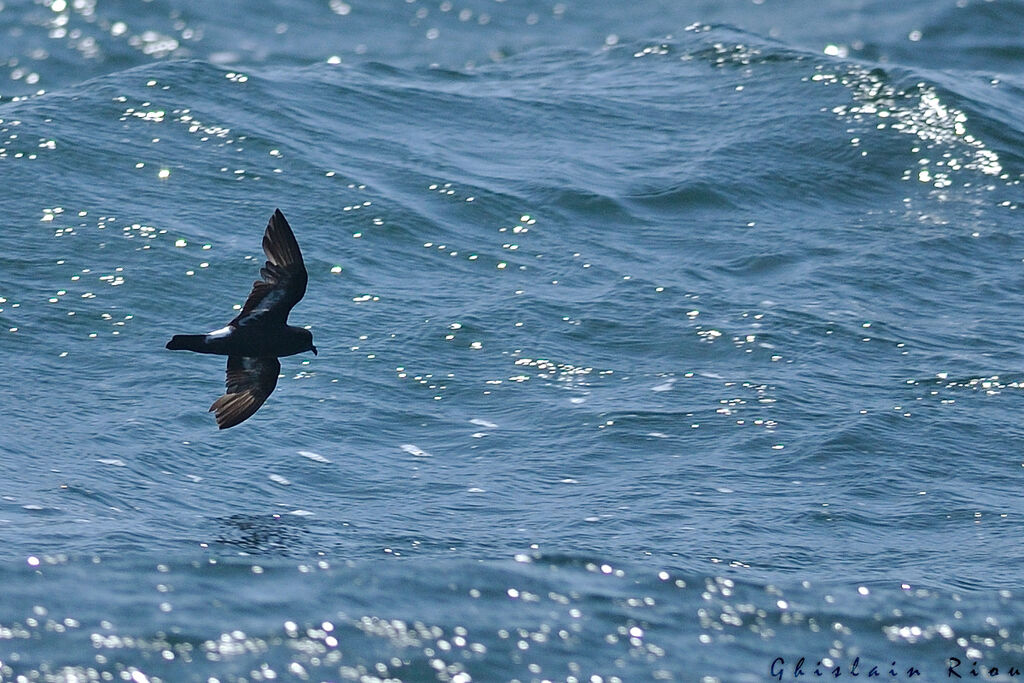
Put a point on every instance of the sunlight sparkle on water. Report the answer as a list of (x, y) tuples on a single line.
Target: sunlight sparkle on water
[(920, 112)]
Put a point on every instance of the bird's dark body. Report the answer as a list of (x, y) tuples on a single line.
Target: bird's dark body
[(246, 341), (260, 334)]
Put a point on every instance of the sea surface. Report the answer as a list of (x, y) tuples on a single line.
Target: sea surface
[(673, 341)]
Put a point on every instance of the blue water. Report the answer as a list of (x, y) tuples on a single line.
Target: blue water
[(658, 340)]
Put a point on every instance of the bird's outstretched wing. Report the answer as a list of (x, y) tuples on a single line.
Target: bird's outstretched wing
[(284, 278), (249, 382)]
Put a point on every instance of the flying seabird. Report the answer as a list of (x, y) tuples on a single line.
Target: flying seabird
[(260, 334)]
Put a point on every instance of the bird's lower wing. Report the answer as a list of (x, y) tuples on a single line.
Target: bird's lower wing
[(249, 382)]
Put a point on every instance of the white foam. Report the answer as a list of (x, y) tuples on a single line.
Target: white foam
[(314, 456)]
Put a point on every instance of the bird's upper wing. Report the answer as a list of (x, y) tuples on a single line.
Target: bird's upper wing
[(284, 278), (249, 382)]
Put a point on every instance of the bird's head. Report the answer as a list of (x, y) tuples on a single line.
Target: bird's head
[(308, 337)]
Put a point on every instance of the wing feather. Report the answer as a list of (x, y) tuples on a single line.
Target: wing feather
[(284, 277), (249, 382)]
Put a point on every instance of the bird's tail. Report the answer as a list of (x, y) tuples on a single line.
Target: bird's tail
[(187, 342)]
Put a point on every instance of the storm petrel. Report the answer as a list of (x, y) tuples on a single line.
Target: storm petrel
[(260, 334)]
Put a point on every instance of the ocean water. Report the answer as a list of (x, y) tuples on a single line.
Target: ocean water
[(658, 341)]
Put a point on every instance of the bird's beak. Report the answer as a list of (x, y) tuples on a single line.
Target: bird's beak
[(314, 351)]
